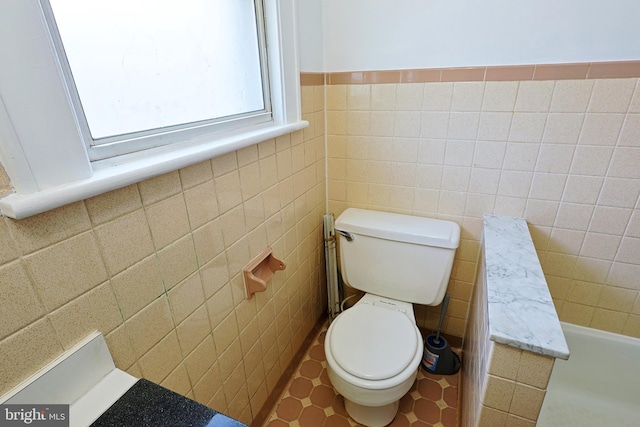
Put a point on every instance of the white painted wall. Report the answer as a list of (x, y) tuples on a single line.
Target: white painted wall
[(402, 34), (310, 34)]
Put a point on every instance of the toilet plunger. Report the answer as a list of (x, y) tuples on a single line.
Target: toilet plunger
[(438, 358)]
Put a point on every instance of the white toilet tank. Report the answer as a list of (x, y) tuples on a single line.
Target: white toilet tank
[(402, 257)]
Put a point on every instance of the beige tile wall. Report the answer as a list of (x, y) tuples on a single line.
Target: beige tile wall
[(504, 386), (514, 387), (563, 154), (156, 268)]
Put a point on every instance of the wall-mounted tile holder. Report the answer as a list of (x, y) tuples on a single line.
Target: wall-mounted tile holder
[(259, 270)]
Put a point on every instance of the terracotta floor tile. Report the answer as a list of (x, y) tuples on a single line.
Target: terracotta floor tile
[(317, 352), (312, 417), (450, 395), (400, 421), (323, 396), (324, 377), (427, 410), (310, 401), (448, 417), (335, 421), (289, 409), (311, 369), (301, 387), (430, 390)]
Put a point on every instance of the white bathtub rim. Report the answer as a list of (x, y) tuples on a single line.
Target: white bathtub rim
[(586, 330)]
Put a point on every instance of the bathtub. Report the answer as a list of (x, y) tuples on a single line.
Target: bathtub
[(598, 386)]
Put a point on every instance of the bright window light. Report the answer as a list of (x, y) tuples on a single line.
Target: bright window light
[(153, 65)]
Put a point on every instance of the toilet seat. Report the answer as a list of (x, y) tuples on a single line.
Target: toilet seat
[(372, 342)]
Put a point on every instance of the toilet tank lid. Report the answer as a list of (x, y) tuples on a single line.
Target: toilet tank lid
[(399, 227)]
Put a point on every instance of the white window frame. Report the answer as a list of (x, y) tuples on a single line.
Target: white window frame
[(41, 148)]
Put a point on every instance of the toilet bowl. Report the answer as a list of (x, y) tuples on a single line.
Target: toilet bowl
[(373, 352)]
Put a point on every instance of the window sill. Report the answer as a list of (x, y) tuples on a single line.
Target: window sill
[(110, 176)]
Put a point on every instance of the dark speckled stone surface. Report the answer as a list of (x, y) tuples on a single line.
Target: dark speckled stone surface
[(148, 404)]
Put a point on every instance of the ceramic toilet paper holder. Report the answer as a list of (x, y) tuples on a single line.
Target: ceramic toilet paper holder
[(259, 270)]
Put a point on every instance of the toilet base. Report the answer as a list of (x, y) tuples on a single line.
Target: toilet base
[(372, 416)]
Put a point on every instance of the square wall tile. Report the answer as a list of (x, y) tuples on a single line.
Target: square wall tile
[(224, 164), (161, 359), (208, 387), (504, 361), (527, 401), (66, 270), (120, 347), (159, 188), (185, 297), (177, 261), (463, 125), (629, 250), (18, 299), (168, 220), (563, 128), (601, 129), (467, 96), (547, 186), (336, 97), (201, 359), (489, 154), (383, 97), (554, 158), (535, 369), (39, 231), (124, 241), (582, 189), (208, 241), (178, 381), (494, 126), (437, 96), (619, 192), (409, 96), (215, 275), (584, 293), (591, 160), (624, 163), (109, 206), (201, 203), (193, 330), (630, 132), (95, 310), (499, 96), (196, 174), (26, 351), (228, 191), (498, 393), (8, 250), (571, 96), (534, 96), (150, 325), (612, 95)]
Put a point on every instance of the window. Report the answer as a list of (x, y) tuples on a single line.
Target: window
[(82, 114), (143, 73)]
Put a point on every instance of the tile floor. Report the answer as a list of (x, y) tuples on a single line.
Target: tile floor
[(309, 400)]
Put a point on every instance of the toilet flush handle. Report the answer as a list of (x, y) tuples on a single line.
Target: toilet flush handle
[(346, 235)]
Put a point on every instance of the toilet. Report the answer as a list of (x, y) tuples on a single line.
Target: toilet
[(373, 349)]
